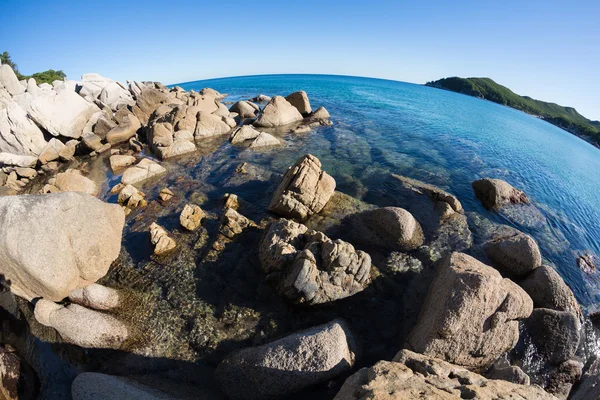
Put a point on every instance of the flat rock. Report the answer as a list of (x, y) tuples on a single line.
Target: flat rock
[(143, 170), (119, 161)]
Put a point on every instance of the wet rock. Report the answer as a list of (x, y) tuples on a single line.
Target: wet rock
[(431, 191), (561, 379), (191, 217), (320, 113), (245, 109), (588, 388), (179, 147), (399, 263), (388, 227), (160, 240), (470, 315), (279, 112), (548, 290), (588, 262), (300, 101), (411, 376), (243, 133), (285, 366), (73, 181), (131, 197), (555, 334), (135, 145), (165, 195), (308, 267), (55, 242), (143, 170), (304, 189), (516, 255), (264, 140), (96, 296), (495, 193), (94, 386), (81, 326), (119, 161), (210, 125)]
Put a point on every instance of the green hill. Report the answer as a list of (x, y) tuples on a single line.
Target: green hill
[(566, 118)]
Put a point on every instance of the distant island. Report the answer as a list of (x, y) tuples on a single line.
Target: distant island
[(566, 118)]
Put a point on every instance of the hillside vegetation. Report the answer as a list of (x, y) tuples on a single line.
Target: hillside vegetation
[(566, 118), (48, 76)]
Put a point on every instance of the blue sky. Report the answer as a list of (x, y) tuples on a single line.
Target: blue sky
[(548, 50)]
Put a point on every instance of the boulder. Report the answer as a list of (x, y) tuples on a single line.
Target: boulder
[(103, 126), (18, 134), (560, 380), (300, 101), (243, 133), (510, 373), (179, 147), (261, 98), (147, 101), (320, 113), (222, 110), (495, 193), (393, 228), (285, 366), (95, 386), (555, 334), (54, 243), (96, 296), (160, 240), (415, 376), (208, 92), (161, 135), (26, 172), (165, 195), (131, 197), (92, 142), (264, 140), (51, 151), (17, 161), (470, 315), (308, 267), (126, 129), (81, 326), (245, 109), (73, 181), (447, 200), (9, 81), (143, 170), (191, 217), (67, 153), (279, 112), (233, 223), (516, 255), (115, 96), (210, 125), (548, 290), (304, 190), (64, 113), (119, 161)]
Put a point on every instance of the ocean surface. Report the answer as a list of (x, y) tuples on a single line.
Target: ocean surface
[(449, 140)]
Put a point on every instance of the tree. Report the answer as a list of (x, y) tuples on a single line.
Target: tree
[(40, 77), (5, 59)]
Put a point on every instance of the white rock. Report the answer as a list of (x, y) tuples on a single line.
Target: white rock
[(145, 169), (17, 160), (264, 140), (9, 81), (18, 134)]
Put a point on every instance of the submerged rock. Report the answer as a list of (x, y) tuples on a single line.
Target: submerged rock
[(308, 267), (73, 181), (279, 112), (304, 189), (410, 376), (119, 161), (470, 315), (287, 365), (495, 193), (264, 140)]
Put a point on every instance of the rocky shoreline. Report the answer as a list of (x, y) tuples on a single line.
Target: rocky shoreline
[(129, 271)]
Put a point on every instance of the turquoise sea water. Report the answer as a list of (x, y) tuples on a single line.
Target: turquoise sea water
[(447, 139)]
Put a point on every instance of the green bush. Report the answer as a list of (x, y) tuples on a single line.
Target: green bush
[(40, 77)]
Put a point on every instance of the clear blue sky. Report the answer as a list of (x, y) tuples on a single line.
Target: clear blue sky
[(549, 49)]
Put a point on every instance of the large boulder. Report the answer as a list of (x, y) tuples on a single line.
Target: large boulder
[(143, 170), (470, 315), (18, 134), (96, 296), (209, 125), (300, 101), (17, 161), (245, 109), (64, 113), (495, 193), (279, 112), (415, 376), (308, 267), (148, 100), (115, 96), (9, 81), (55, 243), (555, 334), (243, 133), (304, 189), (548, 290), (516, 255), (388, 227), (287, 365), (127, 128)]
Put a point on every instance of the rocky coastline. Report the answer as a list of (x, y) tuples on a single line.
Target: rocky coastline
[(130, 272)]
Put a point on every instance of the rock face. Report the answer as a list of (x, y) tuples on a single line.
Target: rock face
[(516, 255), (308, 267), (304, 189), (470, 315), (54, 243), (548, 290), (300, 101), (495, 193), (143, 170), (389, 227), (283, 367), (160, 240), (93, 385), (18, 134), (191, 217), (415, 376), (555, 334), (279, 112), (81, 326)]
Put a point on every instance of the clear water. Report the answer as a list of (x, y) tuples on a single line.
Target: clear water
[(446, 139)]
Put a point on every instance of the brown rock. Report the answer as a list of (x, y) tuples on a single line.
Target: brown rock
[(191, 217), (495, 193)]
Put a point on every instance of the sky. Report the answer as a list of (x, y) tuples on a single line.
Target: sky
[(549, 50)]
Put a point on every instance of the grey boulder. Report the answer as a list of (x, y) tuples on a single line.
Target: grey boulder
[(548, 290), (555, 334), (279, 112), (516, 255), (388, 227), (495, 193)]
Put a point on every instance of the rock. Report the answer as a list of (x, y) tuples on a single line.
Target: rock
[(25, 172), (92, 141), (243, 133), (165, 195), (64, 113), (17, 161), (103, 126), (588, 389), (231, 201), (264, 140), (10, 374), (470, 315), (161, 135), (285, 366), (210, 125), (516, 255), (548, 290), (147, 101), (320, 113), (245, 109), (555, 334), (261, 98), (222, 111), (211, 93), (95, 386), (160, 240), (96, 296), (70, 238), (304, 189), (9, 81), (179, 147), (300, 101), (131, 197), (118, 161), (115, 96), (191, 217), (81, 326), (143, 170), (185, 118), (135, 145), (18, 134), (433, 192), (308, 267), (73, 181), (279, 112), (233, 223), (126, 129), (561, 379), (495, 193), (511, 373), (68, 152), (588, 262), (393, 228), (52, 151), (415, 376)]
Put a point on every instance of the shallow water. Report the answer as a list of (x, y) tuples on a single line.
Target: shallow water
[(446, 139)]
